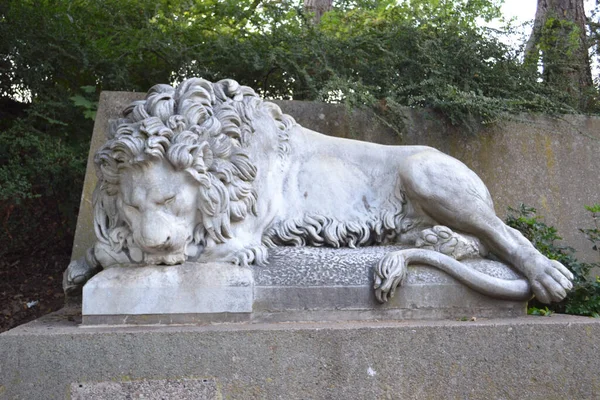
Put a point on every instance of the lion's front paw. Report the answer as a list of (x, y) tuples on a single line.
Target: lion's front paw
[(550, 280), (390, 272), (257, 255), (443, 240), (76, 275)]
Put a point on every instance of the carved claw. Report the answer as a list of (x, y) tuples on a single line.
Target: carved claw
[(390, 273), (443, 240)]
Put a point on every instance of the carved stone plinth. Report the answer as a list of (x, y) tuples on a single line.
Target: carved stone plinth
[(299, 284), (190, 288)]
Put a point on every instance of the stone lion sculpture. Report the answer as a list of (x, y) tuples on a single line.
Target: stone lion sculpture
[(210, 172)]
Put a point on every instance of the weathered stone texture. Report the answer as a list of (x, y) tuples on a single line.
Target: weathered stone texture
[(180, 389), (298, 284), (522, 358), (324, 266)]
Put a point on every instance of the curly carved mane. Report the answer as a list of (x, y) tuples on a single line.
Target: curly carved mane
[(200, 127)]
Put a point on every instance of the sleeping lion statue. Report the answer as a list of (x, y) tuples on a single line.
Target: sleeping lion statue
[(210, 172)]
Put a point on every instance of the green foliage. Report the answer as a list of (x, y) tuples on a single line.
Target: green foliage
[(35, 164), (90, 107), (559, 35), (543, 237), (543, 312), (593, 234), (565, 62), (584, 299), (419, 53), (56, 56), (37, 172)]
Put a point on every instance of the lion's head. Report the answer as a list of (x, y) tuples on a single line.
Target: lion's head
[(175, 170)]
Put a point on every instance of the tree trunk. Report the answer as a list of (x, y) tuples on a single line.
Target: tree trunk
[(318, 7), (559, 34)]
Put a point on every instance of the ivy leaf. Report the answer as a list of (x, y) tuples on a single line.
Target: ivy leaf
[(81, 101), (89, 89), (90, 114)]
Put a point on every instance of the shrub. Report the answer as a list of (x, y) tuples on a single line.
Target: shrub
[(584, 299)]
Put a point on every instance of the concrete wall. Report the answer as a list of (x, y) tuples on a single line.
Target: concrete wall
[(550, 163)]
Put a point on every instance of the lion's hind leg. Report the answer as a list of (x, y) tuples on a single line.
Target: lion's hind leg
[(445, 190)]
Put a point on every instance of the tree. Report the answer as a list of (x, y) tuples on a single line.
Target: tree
[(559, 34), (318, 7)]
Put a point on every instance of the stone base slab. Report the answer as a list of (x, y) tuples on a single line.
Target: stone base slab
[(298, 284), (519, 358)]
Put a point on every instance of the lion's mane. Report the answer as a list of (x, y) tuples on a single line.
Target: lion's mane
[(205, 129), (200, 127)]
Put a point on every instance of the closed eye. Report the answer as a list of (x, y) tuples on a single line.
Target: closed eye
[(168, 200), (133, 206)]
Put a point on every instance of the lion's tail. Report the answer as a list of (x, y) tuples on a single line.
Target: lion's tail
[(391, 270)]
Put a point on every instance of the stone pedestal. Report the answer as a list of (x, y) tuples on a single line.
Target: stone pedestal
[(298, 284), (515, 358)]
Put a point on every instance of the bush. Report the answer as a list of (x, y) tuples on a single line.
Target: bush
[(40, 188), (584, 299)]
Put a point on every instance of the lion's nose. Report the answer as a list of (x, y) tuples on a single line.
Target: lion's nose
[(157, 242), (156, 247), (155, 239)]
